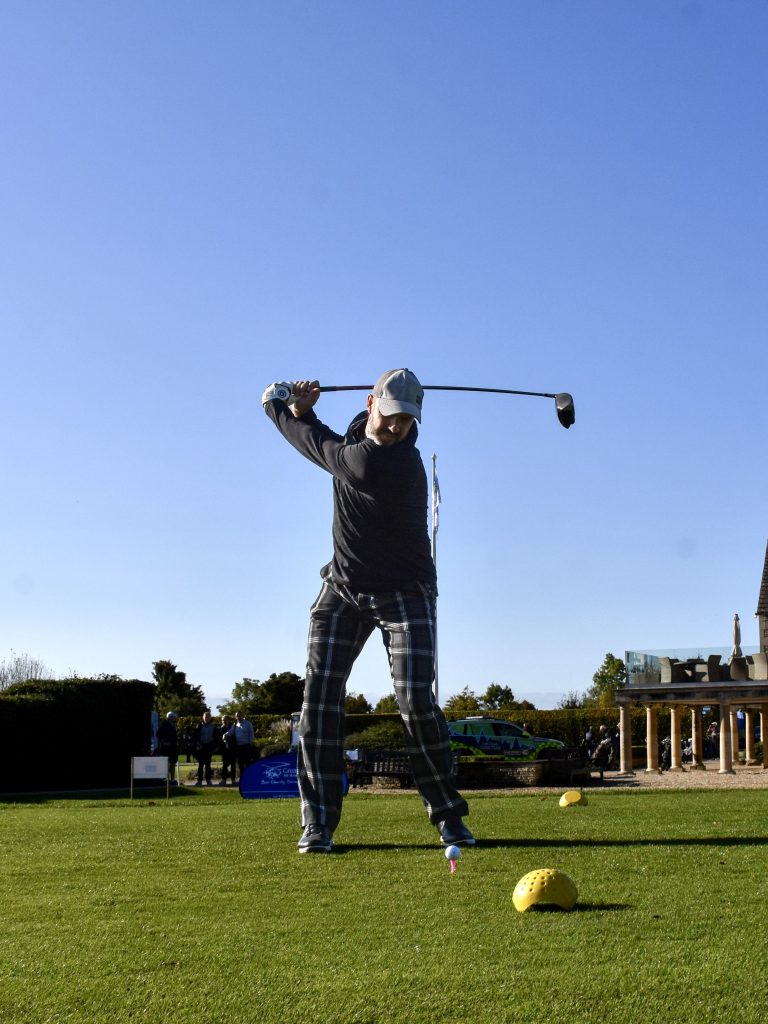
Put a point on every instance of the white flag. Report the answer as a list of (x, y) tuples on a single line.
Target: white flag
[(435, 498)]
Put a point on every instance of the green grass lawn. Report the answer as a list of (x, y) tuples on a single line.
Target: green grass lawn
[(199, 909)]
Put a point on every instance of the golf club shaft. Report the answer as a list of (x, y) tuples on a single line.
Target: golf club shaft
[(442, 387), (563, 401)]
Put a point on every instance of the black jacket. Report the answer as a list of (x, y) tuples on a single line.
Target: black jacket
[(380, 538), (167, 736)]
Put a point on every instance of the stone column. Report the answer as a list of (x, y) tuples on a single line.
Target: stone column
[(676, 754), (651, 739), (734, 722), (697, 732), (764, 735), (726, 759), (625, 740), (749, 737)]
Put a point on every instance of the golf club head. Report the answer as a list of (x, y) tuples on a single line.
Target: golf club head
[(565, 410)]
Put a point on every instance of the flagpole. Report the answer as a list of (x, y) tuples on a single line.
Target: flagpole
[(435, 524)]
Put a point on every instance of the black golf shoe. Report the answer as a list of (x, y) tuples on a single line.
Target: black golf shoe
[(315, 839), (454, 832)]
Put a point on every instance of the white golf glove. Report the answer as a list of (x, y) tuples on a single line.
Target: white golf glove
[(282, 390)]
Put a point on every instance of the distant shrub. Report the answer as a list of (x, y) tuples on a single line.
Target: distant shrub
[(266, 748), (387, 735)]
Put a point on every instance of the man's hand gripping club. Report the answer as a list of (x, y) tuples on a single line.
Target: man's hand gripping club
[(300, 395)]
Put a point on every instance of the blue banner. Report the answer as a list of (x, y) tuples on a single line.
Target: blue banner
[(269, 777), (273, 776)]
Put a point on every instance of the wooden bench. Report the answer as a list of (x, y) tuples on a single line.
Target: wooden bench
[(388, 764), (570, 764)]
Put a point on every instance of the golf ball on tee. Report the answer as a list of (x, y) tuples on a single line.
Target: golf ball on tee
[(452, 853)]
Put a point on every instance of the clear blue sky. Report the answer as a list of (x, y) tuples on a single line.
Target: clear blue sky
[(200, 198)]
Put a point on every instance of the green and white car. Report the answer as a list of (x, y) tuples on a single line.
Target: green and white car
[(493, 736)]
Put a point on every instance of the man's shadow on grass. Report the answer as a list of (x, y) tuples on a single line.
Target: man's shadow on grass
[(141, 795), (512, 844), (546, 844)]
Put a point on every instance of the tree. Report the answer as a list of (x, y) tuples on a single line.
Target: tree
[(281, 694), (573, 699), (245, 696), (357, 704), (465, 702), (20, 668), (610, 677), (387, 705), (174, 693), (498, 698)]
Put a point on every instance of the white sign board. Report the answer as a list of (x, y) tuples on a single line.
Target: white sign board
[(149, 767)]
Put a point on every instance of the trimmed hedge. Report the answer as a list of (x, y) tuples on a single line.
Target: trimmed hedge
[(566, 724), (385, 730), (261, 724), (73, 734), (81, 733)]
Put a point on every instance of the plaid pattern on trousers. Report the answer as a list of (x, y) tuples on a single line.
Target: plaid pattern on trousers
[(340, 624)]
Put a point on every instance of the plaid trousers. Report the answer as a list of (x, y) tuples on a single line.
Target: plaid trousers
[(340, 624)]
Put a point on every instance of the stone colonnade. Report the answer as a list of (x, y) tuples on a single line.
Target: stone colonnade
[(728, 738)]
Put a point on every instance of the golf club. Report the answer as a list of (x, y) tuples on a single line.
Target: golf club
[(563, 401)]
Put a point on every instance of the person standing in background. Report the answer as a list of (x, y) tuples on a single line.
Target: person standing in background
[(168, 743), (228, 751), (204, 741), (241, 732)]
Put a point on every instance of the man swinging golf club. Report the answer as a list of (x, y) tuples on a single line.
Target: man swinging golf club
[(381, 575)]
